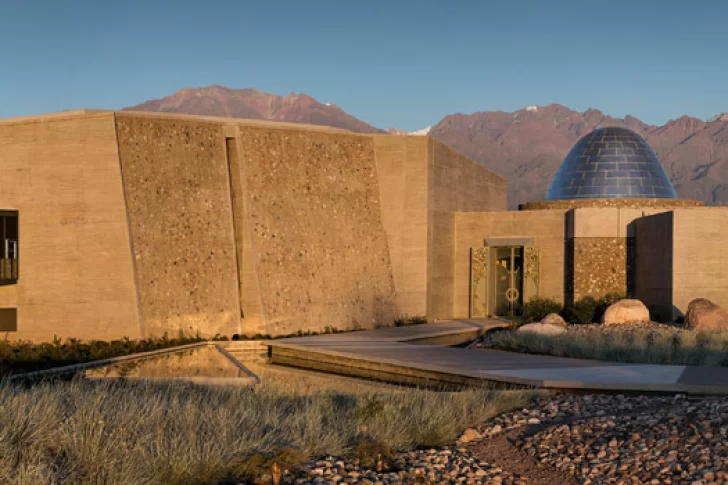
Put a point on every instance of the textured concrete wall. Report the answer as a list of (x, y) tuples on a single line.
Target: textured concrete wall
[(422, 183), (178, 197), (456, 184), (441, 256), (76, 276), (699, 256), (613, 203), (251, 300), (173, 223), (654, 263), (546, 228), (316, 229), (402, 168), (605, 222)]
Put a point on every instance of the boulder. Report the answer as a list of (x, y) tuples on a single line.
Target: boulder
[(554, 319), (626, 311), (704, 315), (546, 329), (469, 435)]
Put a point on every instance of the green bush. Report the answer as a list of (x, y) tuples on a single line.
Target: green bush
[(537, 308), (604, 302), (406, 320), (20, 356), (581, 312)]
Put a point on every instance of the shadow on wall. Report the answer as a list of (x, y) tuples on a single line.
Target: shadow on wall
[(631, 270), (676, 311), (655, 298), (663, 314), (568, 271)]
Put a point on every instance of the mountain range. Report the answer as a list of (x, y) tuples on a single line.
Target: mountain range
[(258, 105), (525, 146)]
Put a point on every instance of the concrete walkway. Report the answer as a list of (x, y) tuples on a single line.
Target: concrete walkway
[(407, 354)]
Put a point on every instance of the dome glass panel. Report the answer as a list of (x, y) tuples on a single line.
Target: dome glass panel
[(611, 163)]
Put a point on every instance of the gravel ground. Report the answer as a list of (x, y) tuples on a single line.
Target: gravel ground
[(456, 465), (567, 440), (617, 439), (627, 328)]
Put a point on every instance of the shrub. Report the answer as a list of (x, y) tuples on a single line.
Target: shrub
[(581, 312), (604, 302), (406, 320), (18, 357), (536, 308)]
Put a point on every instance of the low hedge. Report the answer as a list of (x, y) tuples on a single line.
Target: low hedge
[(17, 357), (537, 308), (589, 309)]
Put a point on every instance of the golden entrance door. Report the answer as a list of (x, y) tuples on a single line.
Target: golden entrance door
[(507, 274), (502, 278)]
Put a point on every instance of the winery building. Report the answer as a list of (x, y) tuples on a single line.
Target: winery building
[(125, 224)]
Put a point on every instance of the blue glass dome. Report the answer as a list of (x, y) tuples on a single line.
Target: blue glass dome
[(611, 163)]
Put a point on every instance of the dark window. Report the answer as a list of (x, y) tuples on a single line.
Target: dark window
[(9, 246), (8, 320)]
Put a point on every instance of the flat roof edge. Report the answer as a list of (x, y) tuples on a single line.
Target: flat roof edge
[(80, 113), (59, 115)]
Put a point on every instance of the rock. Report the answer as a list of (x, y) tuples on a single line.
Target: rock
[(554, 319), (469, 435), (704, 315), (541, 329), (626, 311)]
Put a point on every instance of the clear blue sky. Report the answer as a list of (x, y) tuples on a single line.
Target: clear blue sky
[(391, 63)]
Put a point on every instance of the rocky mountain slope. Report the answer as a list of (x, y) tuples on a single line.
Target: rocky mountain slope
[(526, 146), (253, 104)]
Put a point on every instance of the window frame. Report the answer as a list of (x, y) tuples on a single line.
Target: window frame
[(13, 274)]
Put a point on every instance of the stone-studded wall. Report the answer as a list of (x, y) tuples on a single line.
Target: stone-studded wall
[(316, 228), (177, 190), (600, 265), (61, 173), (614, 203)]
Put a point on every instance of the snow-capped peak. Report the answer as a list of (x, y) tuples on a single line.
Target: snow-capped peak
[(423, 131), (719, 117), (532, 108)]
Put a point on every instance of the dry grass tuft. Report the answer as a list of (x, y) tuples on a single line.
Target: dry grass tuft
[(138, 432), (644, 347)]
